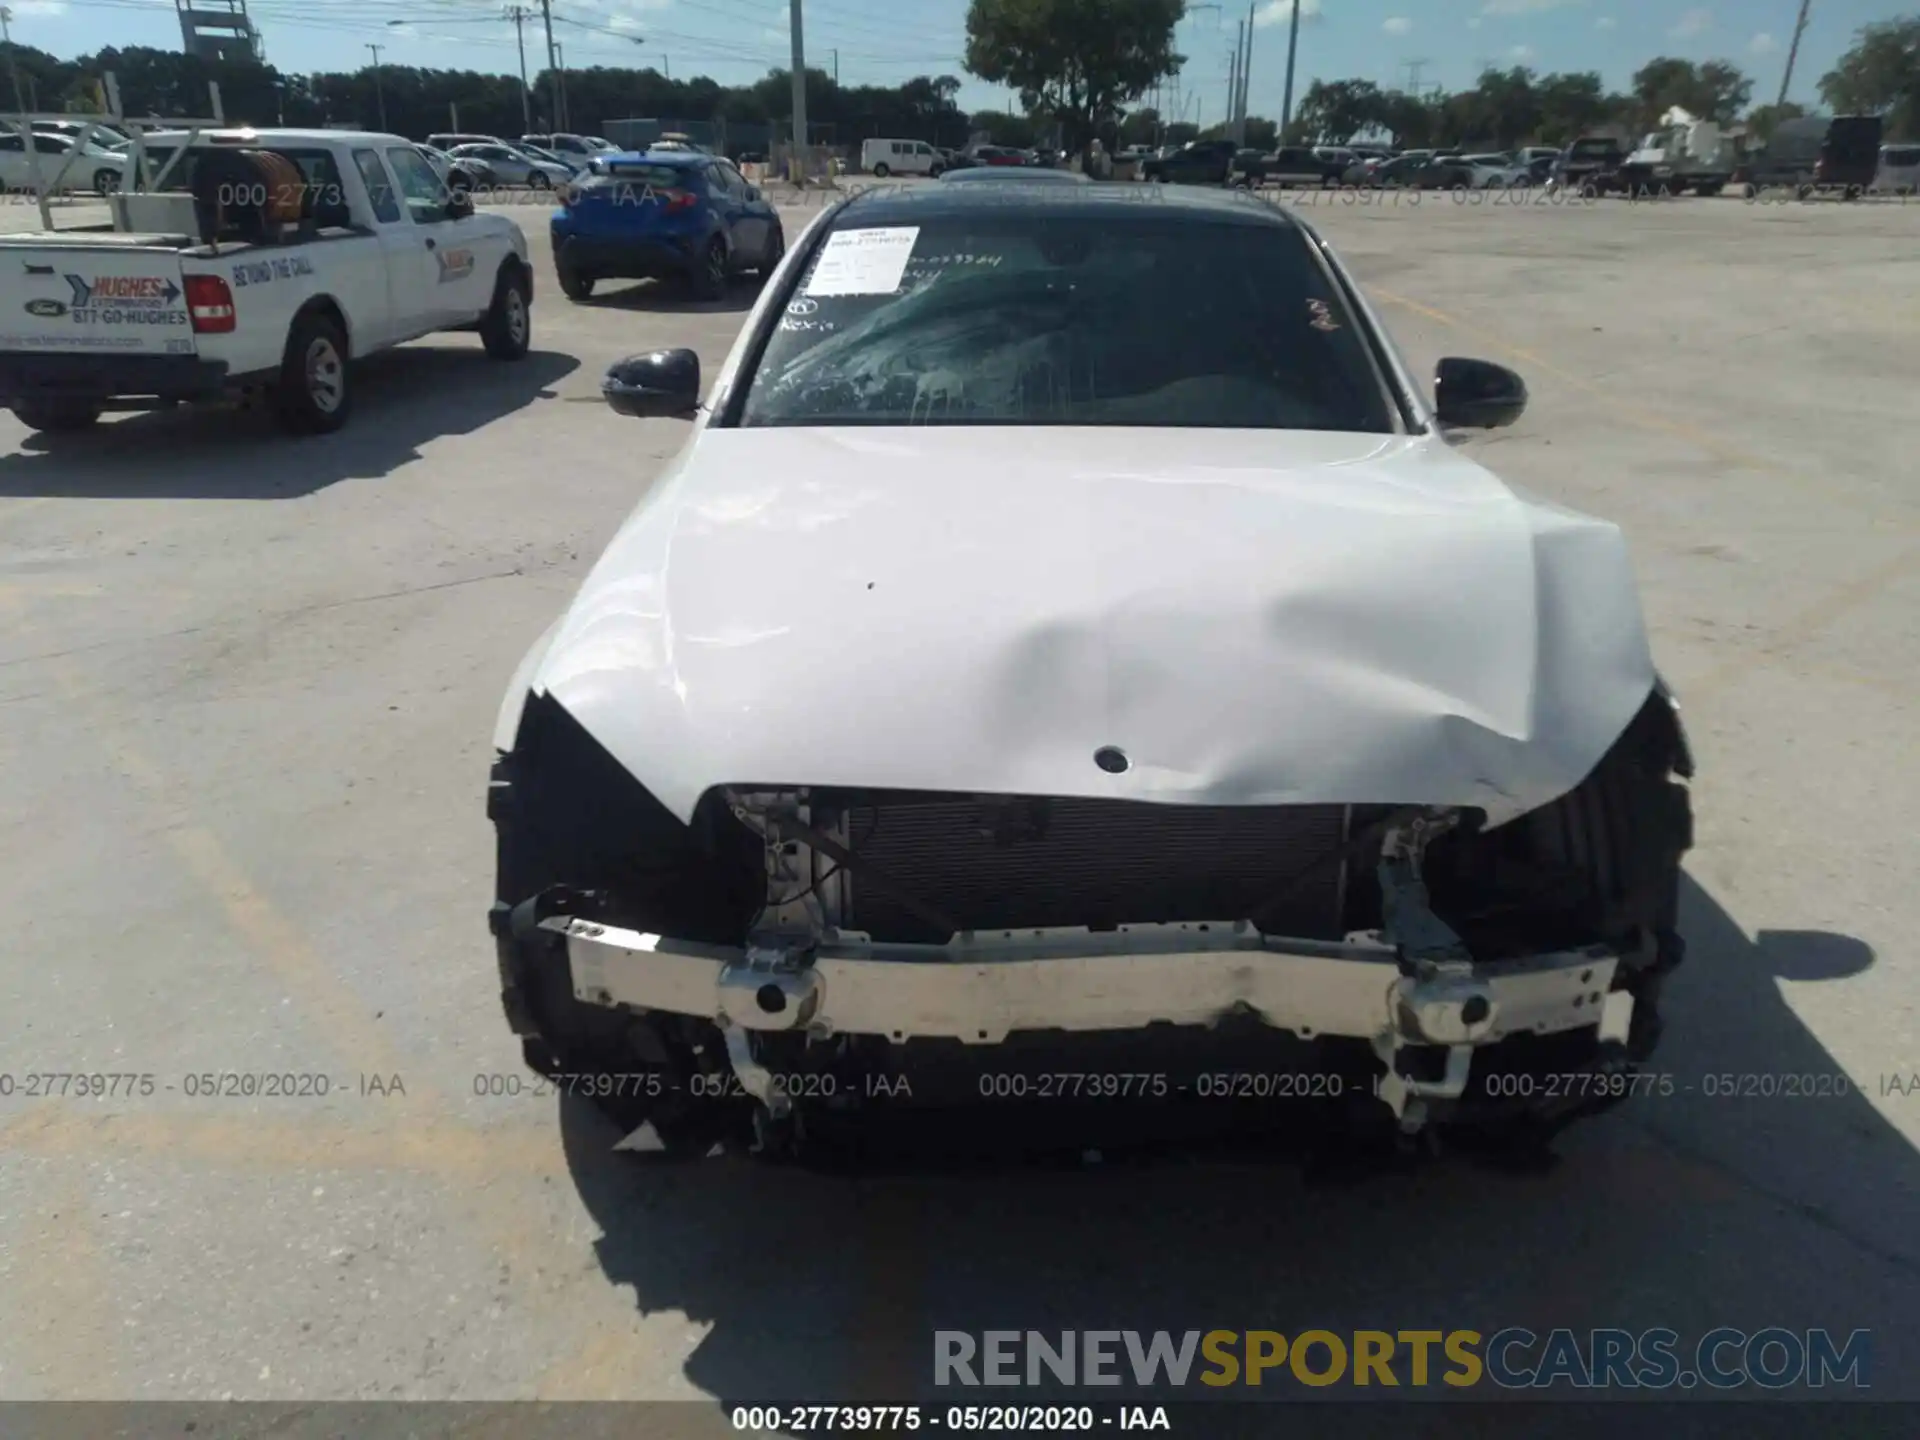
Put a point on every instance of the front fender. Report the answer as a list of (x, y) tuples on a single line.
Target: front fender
[(507, 724)]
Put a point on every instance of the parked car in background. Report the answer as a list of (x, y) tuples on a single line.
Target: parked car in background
[(663, 215), (994, 155), (1899, 172), (1531, 155), (1540, 167), (1298, 165), (1592, 160), (450, 141), (1014, 175), (575, 150), (1336, 158), (1200, 162), (90, 166), (1497, 171), (571, 163), (900, 157), (455, 174), (510, 165)]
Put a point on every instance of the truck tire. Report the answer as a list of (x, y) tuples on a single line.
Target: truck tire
[(56, 413), (880, 171), (506, 330), (314, 395)]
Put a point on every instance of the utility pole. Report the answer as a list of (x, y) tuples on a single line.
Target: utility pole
[(13, 65), (1293, 49), (1793, 52), (797, 171), (1246, 80), (1233, 73), (563, 121), (519, 14), (378, 89), (553, 69), (836, 65)]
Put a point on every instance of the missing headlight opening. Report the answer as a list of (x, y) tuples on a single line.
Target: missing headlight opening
[(798, 957)]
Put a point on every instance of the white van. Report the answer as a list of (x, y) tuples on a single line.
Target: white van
[(1899, 170), (900, 157)]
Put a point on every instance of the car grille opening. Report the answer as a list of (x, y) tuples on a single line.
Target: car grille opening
[(1026, 862)]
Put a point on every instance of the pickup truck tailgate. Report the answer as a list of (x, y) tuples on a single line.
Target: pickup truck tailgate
[(92, 298)]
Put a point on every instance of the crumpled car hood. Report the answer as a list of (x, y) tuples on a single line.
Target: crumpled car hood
[(1258, 618)]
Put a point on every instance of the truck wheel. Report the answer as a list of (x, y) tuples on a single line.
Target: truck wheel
[(880, 171), (57, 413), (507, 328), (314, 396), (709, 277)]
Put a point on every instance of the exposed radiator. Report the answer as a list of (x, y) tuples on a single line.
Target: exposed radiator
[(1000, 863)]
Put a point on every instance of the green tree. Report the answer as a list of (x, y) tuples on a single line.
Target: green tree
[(1333, 112), (1569, 105), (1763, 120), (1080, 60), (1880, 75), (1002, 128), (1713, 90), (1141, 127)]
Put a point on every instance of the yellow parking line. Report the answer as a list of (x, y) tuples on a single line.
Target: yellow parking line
[(60, 1302)]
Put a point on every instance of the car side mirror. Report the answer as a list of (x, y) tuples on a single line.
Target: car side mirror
[(660, 382), (1477, 394), (459, 202)]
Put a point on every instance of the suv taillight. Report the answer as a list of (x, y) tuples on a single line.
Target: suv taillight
[(210, 304), (679, 200)]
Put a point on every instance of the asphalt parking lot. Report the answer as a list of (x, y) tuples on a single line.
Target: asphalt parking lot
[(246, 692)]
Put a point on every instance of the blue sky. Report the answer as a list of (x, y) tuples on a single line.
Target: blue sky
[(885, 41)]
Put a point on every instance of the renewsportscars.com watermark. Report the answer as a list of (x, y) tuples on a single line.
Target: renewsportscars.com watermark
[(1515, 1358)]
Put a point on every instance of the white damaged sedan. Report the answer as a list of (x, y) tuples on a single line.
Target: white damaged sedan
[(1069, 663)]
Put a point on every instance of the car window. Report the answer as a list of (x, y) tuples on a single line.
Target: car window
[(12, 143), (1033, 315), (386, 208), (425, 197), (735, 181)]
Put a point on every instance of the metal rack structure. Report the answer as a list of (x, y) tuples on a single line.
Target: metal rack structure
[(135, 127)]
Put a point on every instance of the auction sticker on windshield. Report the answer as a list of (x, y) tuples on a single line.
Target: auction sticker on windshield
[(863, 262)]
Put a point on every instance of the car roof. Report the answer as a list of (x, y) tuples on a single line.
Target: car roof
[(912, 205), (686, 159), (275, 135)]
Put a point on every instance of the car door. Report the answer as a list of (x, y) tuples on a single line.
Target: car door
[(449, 280), (746, 225)]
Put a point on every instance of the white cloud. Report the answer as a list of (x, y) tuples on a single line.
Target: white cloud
[(1474, 23), (1692, 23), (1522, 52), (1397, 25), (1605, 22), (1525, 7), (1763, 44), (1280, 12), (39, 7)]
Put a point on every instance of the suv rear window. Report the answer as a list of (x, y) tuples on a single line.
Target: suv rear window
[(1040, 315)]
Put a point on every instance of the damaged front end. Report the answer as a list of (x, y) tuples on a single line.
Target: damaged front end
[(802, 951)]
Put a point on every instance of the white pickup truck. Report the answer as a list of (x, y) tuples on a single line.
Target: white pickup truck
[(252, 262)]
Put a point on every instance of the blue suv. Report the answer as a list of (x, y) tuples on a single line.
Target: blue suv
[(663, 214)]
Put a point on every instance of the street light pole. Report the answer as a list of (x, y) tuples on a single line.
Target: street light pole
[(1293, 48), (378, 89), (1793, 53), (553, 74), (798, 172)]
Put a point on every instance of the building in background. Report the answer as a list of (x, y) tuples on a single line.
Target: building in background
[(218, 30)]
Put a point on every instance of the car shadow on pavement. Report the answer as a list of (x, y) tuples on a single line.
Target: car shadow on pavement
[(669, 297), (403, 399), (1687, 1210)]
